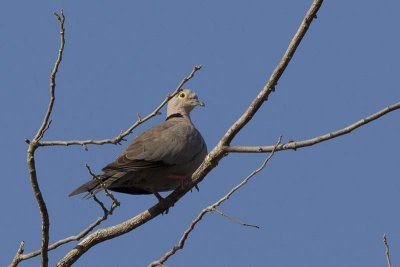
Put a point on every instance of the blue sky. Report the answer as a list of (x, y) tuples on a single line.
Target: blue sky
[(324, 205)]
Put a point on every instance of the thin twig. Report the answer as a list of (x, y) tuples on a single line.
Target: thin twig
[(309, 142), (101, 204), (46, 121), (223, 214), (210, 208), (17, 257), (139, 121), (90, 171), (33, 145), (387, 252), (108, 193)]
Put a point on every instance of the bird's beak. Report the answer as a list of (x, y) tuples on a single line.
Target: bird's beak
[(199, 103)]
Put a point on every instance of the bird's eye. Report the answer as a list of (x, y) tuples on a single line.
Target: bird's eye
[(182, 95)]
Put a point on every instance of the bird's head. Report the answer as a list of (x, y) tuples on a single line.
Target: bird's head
[(183, 103)]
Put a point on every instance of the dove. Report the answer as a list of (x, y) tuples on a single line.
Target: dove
[(159, 159)]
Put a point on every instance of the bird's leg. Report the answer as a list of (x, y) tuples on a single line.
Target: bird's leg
[(161, 201), (158, 196)]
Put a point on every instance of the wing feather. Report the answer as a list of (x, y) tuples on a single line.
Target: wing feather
[(172, 142)]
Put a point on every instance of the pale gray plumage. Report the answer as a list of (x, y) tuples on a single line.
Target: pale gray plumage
[(159, 159)]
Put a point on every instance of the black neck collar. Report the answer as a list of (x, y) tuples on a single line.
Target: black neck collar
[(175, 115)]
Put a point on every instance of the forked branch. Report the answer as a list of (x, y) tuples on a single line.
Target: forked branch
[(309, 142), (33, 144), (83, 233), (140, 120), (275, 76), (211, 208)]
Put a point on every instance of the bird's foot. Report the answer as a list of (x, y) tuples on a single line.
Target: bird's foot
[(161, 201), (197, 188)]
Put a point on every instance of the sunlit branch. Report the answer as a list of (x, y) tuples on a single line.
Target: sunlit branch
[(211, 208), (33, 144), (309, 142)]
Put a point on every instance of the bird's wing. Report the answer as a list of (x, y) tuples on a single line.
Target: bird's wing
[(173, 142)]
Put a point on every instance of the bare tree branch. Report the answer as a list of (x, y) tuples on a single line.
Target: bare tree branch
[(387, 252), (83, 233), (17, 257), (46, 121), (276, 74), (309, 142), (223, 214), (208, 164), (106, 212), (213, 207), (34, 144), (123, 134)]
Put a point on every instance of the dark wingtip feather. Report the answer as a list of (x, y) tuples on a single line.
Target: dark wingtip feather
[(87, 187)]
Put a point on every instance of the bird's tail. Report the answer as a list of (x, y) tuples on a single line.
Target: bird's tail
[(91, 187)]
